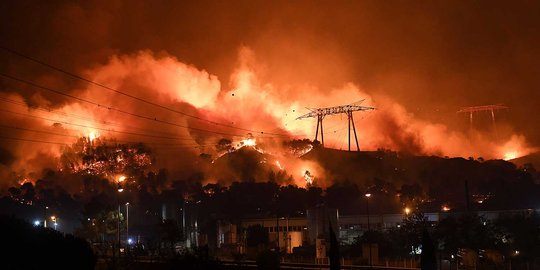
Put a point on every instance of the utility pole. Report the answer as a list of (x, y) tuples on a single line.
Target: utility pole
[(368, 195), (45, 217), (118, 228), (120, 190), (127, 225)]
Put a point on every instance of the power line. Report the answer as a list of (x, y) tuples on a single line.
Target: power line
[(66, 144), (31, 140), (98, 128), (39, 131), (107, 123), (132, 96), (115, 109), (91, 127), (66, 135)]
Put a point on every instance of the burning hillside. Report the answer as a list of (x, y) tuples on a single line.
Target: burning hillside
[(180, 111), (246, 160)]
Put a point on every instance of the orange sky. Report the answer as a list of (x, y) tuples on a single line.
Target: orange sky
[(256, 66)]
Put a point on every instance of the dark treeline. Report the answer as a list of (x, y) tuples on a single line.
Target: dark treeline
[(31, 247), (87, 204), (490, 185)]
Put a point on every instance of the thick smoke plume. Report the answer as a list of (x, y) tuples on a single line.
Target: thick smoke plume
[(256, 66), (262, 108)]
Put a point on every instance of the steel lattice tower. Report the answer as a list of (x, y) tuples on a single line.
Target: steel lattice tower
[(483, 108), (320, 113)]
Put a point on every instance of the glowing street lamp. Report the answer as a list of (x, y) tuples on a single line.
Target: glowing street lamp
[(127, 223), (54, 220), (119, 180), (407, 211), (45, 217)]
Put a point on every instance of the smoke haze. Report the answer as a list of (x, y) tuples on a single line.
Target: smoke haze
[(256, 66)]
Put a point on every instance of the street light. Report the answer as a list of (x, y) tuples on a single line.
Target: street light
[(53, 219), (407, 211), (45, 217), (127, 222), (120, 179), (368, 195)]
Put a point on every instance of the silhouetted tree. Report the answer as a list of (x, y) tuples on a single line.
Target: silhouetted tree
[(465, 231), (169, 233), (224, 145), (256, 235), (334, 257), (427, 258), (30, 247), (267, 260)]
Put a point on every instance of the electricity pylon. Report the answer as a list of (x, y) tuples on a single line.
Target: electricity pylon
[(320, 113), (483, 108)]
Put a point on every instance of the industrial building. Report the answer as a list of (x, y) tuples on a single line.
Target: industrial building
[(313, 229)]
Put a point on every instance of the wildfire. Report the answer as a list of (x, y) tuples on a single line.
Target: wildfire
[(24, 181), (308, 177), (93, 135), (516, 147), (249, 142), (511, 155), (278, 164)]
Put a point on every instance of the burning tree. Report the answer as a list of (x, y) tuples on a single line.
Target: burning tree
[(300, 147), (105, 158), (309, 177)]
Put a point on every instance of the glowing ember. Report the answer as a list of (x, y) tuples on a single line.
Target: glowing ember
[(279, 165), (24, 181), (445, 208), (511, 155), (121, 178), (308, 177)]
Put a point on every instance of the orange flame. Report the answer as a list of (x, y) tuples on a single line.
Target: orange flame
[(278, 164), (249, 142), (308, 177), (92, 135), (512, 154)]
